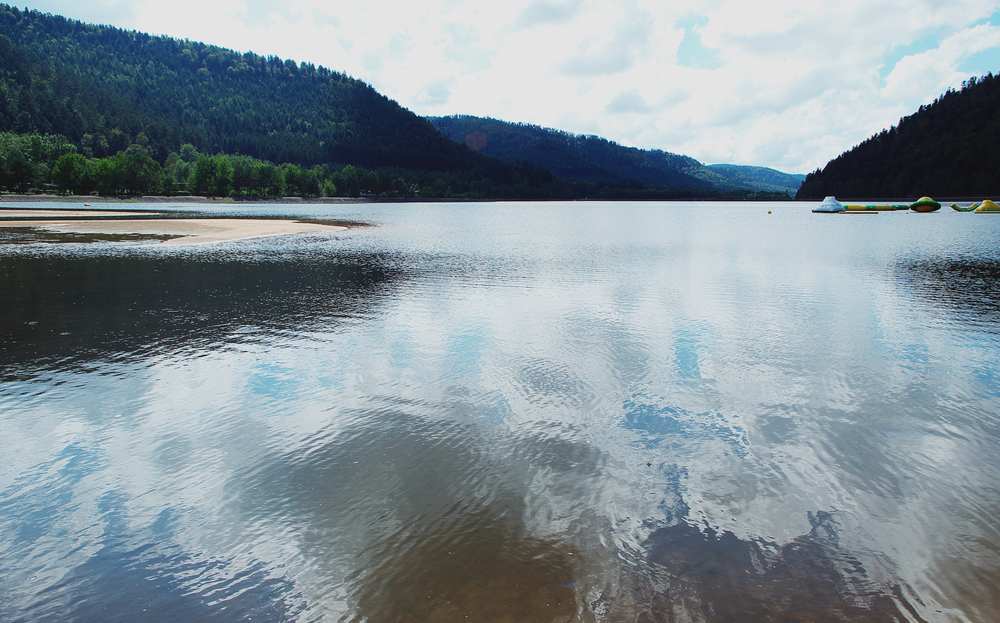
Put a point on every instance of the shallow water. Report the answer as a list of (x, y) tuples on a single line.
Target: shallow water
[(507, 412)]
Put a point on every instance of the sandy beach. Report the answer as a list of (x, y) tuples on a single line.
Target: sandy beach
[(194, 231), (46, 214)]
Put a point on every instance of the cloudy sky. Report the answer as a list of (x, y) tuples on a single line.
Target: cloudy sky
[(787, 84)]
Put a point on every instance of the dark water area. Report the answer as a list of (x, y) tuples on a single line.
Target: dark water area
[(507, 412), (968, 288), (71, 309)]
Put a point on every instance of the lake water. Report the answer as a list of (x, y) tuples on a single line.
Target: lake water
[(508, 412)]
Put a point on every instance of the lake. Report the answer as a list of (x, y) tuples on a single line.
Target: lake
[(507, 412)]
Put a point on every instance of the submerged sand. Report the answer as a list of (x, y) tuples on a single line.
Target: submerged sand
[(29, 213), (194, 231)]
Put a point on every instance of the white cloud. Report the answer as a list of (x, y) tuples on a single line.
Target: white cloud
[(792, 84), (921, 77), (628, 102), (542, 12)]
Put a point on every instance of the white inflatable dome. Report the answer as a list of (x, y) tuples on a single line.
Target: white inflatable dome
[(830, 204)]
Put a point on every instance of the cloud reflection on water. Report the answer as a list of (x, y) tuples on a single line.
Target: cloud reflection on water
[(417, 511), (662, 421)]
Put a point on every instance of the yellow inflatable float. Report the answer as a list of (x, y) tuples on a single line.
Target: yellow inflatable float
[(988, 207), (925, 204)]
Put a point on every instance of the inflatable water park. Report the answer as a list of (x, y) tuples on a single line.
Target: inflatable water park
[(830, 205), (979, 208)]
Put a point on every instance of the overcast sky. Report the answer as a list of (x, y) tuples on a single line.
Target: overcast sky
[(788, 84)]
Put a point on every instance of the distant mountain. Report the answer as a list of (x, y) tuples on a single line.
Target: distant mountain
[(583, 158), (760, 178), (574, 157), (950, 148)]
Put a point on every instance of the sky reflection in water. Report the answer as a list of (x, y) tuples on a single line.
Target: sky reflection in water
[(515, 412)]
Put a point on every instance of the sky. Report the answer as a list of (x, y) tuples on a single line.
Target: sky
[(787, 84)]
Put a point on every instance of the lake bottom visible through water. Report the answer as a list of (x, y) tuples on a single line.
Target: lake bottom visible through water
[(671, 412)]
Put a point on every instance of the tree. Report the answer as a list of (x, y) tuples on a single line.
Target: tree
[(69, 173), (269, 180), (242, 174), (188, 153), (109, 175), (141, 175), (21, 173), (204, 175), (294, 178), (223, 182), (178, 172), (348, 181)]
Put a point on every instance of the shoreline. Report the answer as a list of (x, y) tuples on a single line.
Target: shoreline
[(191, 231), (12, 198), (5, 198), (91, 199)]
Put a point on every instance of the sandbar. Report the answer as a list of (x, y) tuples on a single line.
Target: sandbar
[(195, 231), (31, 213)]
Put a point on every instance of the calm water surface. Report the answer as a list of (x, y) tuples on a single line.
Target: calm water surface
[(508, 412)]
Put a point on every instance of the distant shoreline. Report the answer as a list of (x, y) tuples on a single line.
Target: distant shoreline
[(5, 198), (12, 198)]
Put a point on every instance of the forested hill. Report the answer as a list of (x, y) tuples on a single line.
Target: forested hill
[(583, 158), (762, 178), (946, 149), (101, 87), (89, 108), (575, 157)]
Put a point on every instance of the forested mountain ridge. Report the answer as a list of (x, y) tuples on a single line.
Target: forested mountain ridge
[(575, 157), (125, 96), (99, 109), (178, 92), (760, 178), (946, 149), (584, 158)]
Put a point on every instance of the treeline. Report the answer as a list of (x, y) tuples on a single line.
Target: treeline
[(51, 163), (592, 159), (33, 163), (945, 149)]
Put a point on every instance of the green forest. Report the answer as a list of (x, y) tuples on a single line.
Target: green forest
[(592, 159), (96, 109), (575, 157), (109, 103), (946, 149)]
